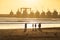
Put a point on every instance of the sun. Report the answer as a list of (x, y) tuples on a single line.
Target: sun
[(30, 3)]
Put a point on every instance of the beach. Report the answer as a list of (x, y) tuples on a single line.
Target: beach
[(19, 34)]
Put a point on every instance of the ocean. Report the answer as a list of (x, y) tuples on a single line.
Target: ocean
[(45, 23)]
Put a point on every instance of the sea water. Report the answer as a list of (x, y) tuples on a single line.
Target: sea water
[(22, 26), (46, 23)]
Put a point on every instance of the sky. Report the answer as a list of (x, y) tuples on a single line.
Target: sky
[(7, 5)]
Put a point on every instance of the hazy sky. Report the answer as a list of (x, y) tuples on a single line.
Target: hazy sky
[(7, 5)]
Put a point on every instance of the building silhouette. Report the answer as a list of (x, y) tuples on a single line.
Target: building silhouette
[(18, 14), (31, 15), (55, 14), (24, 14), (37, 14), (48, 14), (43, 15), (11, 13)]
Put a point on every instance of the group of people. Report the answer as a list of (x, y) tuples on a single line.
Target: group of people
[(34, 27)]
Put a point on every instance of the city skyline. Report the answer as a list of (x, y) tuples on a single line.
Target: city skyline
[(45, 5), (25, 14)]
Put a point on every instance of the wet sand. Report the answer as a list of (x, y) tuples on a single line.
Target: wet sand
[(19, 34)]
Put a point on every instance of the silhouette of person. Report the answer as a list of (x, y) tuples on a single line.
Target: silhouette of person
[(25, 27), (35, 27), (39, 27)]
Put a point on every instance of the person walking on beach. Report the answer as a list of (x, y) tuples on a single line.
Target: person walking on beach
[(35, 27), (25, 27), (39, 27)]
